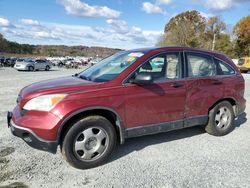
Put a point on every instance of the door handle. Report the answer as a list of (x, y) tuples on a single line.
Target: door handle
[(176, 85), (217, 82)]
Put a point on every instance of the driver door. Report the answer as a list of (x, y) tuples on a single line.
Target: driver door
[(160, 102)]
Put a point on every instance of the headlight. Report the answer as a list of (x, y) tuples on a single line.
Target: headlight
[(44, 102)]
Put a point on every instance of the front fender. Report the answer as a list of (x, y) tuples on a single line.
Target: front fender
[(119, 121)]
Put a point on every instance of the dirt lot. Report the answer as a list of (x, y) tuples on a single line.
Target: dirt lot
[(184, 158)]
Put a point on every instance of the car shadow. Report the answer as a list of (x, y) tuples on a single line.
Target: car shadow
[(38, 70), (240, 120), (138, 143), (52, 70)]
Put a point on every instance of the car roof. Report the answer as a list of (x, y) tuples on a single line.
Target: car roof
[(149, 49)]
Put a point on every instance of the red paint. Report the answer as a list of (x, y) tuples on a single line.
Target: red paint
[(136, 105)]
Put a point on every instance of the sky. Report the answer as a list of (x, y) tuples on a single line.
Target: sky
[(124, 24)]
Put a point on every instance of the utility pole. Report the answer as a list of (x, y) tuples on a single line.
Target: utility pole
[(214, 42)]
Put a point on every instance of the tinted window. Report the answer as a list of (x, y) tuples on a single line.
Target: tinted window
[(241, 61), (223, 68), (40, 61), (200, 66), (163, 66)]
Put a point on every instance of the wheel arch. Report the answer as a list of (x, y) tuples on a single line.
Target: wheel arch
[(108, 113), (231, 100)]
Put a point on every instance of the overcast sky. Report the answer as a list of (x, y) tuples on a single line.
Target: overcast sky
[(110, 23)]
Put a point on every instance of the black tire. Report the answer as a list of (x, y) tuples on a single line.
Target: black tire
[(47, 68), (221, 119), (76, 158), (60, 65), (30, 68)]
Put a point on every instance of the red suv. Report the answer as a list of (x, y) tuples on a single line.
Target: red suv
[(129, 94)]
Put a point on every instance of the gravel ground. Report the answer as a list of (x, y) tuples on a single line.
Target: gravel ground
[(183, 158)]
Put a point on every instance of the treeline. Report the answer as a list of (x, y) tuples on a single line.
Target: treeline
[(15, 48), (62, 50), (53, 50), (193, 30)]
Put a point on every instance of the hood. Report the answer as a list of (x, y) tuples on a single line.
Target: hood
[(60, 85), (21, 63)]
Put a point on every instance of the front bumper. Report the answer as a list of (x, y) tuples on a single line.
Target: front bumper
[(30, 137), (21, 68), (243, 68)]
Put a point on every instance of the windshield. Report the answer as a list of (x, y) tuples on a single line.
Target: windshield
[(27, 61), (241, 61), (111, 67)]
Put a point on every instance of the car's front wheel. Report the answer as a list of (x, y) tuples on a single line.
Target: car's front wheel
[(47, 68), (89, 142), (221, 118), (30, 68)]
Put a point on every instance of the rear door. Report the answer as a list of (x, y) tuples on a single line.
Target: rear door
[(204, 87), (160, 102), (40, 64)]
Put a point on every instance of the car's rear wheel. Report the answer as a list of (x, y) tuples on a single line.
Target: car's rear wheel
[(221, 118), (47, 68), (89, 142), (30, 68)]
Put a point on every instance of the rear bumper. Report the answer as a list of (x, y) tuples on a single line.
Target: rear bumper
[(30, 137), (239, 108)]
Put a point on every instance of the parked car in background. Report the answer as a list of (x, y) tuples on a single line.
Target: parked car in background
[(57, 63), (244, 64), (9, 62), (71, 63), (129, 94), (33, 65), (2, 61), (95, 60)]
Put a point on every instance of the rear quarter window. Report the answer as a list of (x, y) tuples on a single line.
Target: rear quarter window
[(224, 68)]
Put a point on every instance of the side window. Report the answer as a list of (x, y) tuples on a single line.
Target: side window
[(154, 65), (223, 68), (200, 66), (241, 61), (163, 66), (173, 66)]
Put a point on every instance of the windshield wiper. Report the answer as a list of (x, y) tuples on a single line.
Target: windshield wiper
[(81, 76), (84, 78)]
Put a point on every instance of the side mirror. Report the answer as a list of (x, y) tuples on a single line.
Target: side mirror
[(143, 79)]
